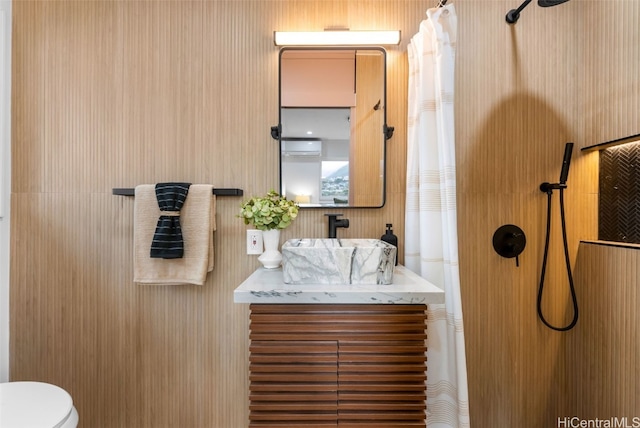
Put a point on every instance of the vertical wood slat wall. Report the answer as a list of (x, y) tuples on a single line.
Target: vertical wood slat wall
[(522, 92), (603, 354), (114, 94), (365, 168), (337, 365)]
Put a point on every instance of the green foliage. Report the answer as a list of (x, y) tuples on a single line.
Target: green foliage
[(271, 211)]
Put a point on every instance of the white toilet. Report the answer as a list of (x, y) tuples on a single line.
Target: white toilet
[(36, 405)]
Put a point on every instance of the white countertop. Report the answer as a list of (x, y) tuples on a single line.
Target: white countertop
[(267, 286)]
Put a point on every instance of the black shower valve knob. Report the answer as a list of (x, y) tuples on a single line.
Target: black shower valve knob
[(509, 241)]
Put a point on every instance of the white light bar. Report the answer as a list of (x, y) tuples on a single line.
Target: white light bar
[(336, 38)]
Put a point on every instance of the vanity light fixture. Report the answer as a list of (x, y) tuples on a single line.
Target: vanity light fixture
[(336, 38)]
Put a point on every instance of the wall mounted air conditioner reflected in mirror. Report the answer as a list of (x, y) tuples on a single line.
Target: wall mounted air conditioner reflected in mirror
[(296, 147)]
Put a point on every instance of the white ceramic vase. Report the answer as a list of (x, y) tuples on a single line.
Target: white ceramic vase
[(271, 257)]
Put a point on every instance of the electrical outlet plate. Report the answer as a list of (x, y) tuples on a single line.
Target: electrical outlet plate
[(254, 242)]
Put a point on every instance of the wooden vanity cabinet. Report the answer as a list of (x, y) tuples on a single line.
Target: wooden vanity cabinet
[(343, 365)]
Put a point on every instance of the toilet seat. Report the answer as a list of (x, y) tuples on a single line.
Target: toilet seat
[(36, 404)]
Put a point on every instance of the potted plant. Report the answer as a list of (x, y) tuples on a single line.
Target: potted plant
[(270, 214)]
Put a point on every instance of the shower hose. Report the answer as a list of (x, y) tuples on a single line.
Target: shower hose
[(566, 258)]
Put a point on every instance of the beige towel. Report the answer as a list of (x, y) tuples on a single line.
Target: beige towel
[(197, 219)]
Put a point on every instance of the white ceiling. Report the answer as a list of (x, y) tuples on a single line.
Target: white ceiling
[(324, 123)]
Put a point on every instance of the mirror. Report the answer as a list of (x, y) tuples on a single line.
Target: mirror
[(332, 128)]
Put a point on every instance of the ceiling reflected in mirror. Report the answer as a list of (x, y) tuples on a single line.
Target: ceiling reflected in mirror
[(308, 122)]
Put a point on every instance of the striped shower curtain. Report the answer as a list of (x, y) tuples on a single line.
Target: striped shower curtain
[(431, 241)]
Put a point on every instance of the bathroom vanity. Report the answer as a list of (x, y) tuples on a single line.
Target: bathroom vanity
[(326, 355)]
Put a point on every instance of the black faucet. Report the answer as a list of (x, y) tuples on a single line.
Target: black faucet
[(334, 224)]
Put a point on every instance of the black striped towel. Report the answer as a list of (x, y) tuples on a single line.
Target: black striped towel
[(167, 240)]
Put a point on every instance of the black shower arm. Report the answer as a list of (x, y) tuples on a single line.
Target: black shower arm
[(514, 14), (524, 4)]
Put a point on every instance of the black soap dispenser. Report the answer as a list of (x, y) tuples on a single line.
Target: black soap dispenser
[(390, 238)]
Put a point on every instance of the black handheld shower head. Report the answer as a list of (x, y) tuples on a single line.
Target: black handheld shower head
[(564, 172), (566, 160), (548, 189), (514, 14)]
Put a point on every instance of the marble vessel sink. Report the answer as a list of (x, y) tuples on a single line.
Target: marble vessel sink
[(338, 261)]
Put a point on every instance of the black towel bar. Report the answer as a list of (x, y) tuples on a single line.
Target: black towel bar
[(216, 191)]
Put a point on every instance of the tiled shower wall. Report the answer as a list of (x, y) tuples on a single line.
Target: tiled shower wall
[(619, 203)]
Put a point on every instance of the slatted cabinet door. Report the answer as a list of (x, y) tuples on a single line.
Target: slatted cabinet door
[(337, 365), (294, 376), (382, 369), (293, 383)]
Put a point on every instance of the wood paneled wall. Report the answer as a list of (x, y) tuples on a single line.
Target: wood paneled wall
[(114, 94), (603, 366), (522, 91), (366, 173)]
